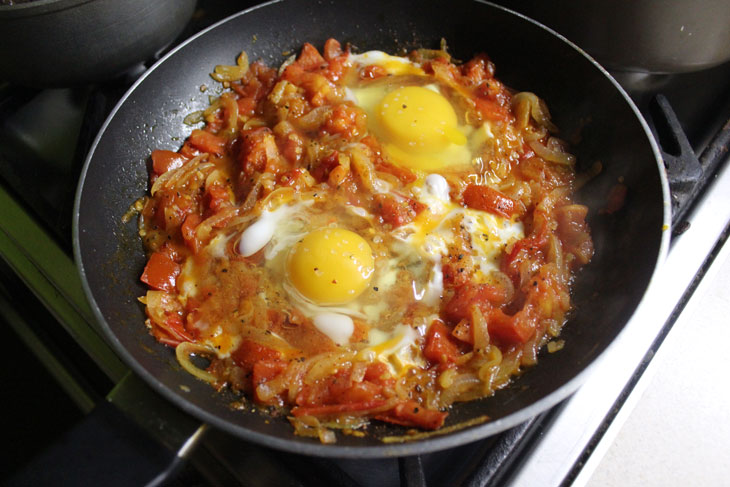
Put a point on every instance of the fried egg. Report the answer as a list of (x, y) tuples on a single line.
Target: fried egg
[(415, 118), (322, 263)]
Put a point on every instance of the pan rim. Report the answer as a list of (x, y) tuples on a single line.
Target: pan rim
[(306, 446)]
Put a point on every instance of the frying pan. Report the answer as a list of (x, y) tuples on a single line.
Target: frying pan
[(588, 105)]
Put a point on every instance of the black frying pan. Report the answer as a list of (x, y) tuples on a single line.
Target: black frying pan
[(586, 103)]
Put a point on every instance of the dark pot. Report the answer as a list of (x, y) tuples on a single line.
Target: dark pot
[(67, 42), (669, 36)]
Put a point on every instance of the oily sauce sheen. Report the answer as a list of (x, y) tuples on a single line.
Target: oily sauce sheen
[(356, 237)]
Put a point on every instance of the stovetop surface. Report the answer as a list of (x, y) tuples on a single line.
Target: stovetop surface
[(44, 142)]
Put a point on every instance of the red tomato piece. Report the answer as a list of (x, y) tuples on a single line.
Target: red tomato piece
[(510, 329), (217, 197), (310, 58), (455, 274), (175, 328), (359, 392), (265, 370), (188, 150), (491, 109), (246, 106), (396, 211), (165, 160), (207, 142), (172, 207), (482, 295), (521, 250), (412, 414), (250, 352), (347, 121), (440, 346), (259, 151), (188, 231), (376, 372), (161, 272), (332, 409), (332, 49), (488, 199)]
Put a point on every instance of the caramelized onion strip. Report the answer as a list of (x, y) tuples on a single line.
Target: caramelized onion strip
[(185, 350)]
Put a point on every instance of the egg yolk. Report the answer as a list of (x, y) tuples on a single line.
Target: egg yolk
[(417, 122), (331, 266)]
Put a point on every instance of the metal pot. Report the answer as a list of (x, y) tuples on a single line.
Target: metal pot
[(68, 42), (669, 36)]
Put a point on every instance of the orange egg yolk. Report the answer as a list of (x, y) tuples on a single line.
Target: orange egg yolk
[(331, 266)]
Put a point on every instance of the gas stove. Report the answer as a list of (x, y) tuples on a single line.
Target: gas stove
[(44, 138)]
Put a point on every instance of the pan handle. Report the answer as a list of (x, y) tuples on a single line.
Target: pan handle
[(109, 447), (411, 471)]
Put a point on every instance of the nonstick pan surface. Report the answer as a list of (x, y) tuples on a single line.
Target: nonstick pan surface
[(588, 106)]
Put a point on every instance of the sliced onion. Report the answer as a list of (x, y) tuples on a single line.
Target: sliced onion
[(528, 105), (194, 118), (479, 330), (177, 177), (228, 102), (185, 350), (361, 165), (224, 72), (552, 154), (314, 118)]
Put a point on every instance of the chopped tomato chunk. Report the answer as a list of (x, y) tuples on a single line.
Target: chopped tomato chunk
[(188, 231), (491, 110), (250, 352), (246, 106), (347, 121), (440, 346), (217, 197), (161, 272), (175, 330), (165, 160), (510, 329), (310, 58), (396, 211), (332, 49), (489, 199), (259, 152), (468, 295), (207, 142), (410, 413)]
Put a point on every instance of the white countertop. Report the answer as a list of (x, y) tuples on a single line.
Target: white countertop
[(678, 432)]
